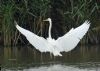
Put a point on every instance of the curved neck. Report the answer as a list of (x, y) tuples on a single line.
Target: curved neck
[(50, 25)]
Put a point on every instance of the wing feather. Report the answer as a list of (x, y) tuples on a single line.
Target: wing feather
[(70, 40), (38, 42)]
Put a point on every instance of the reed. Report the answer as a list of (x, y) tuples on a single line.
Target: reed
[(65, 14), (7, 30), (82, 10)]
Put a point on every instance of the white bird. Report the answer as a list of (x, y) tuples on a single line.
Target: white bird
[(65, 43)]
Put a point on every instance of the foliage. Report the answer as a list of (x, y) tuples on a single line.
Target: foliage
[(65, 14)]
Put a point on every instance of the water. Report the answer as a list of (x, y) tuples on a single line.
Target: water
[(82, 58)]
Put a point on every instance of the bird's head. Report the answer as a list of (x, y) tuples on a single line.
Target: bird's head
[(48, 19)]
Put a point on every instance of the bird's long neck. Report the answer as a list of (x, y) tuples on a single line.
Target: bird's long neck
[(50, 25)]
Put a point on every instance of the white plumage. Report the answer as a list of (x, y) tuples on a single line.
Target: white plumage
[(65, 43)]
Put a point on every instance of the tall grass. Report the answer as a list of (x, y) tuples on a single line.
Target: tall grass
[(6, 13), (82, 10), (65, 14)]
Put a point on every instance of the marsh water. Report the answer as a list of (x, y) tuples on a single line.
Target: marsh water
[(26, 58)]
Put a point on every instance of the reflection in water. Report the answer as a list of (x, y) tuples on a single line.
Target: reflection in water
[(84, 58), (57, 67)]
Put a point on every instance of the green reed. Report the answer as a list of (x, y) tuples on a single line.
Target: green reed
[(65, 14), (6, 13)]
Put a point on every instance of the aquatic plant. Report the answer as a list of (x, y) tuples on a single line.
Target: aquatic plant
[(64, 13)]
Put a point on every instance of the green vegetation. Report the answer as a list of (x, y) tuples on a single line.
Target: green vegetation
[(65, 14)]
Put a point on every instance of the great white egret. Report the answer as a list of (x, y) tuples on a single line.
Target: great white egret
[(65, 43)]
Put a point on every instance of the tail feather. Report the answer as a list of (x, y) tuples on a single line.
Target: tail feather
[(56, 53)]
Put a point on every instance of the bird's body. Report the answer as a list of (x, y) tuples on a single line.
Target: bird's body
[(52, 44), (65, 43)]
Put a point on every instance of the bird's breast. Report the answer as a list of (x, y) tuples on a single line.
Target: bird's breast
[(51, 41)]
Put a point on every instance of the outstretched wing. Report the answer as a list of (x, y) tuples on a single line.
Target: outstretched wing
[(38, 42), (70, 40)]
